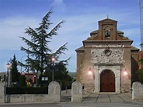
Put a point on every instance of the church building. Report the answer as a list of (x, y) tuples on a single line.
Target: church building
[(107, 61)]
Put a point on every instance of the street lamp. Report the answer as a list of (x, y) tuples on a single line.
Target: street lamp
[(53, 62), (125, 73), (8, 74), (90, 72)]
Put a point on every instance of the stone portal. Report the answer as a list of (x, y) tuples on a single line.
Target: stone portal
[(107, 78)]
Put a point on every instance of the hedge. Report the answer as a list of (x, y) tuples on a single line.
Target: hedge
[(26, 90)]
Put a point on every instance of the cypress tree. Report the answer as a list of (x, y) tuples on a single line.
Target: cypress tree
[(14, 70)]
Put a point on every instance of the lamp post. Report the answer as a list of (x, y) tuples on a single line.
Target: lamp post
[(53, 62), (8, 75), (5, 85), (21, 61)]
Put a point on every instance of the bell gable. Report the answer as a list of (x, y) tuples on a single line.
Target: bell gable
[(107, 30)]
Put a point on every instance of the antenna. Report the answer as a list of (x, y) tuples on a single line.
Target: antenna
[(141, 23)]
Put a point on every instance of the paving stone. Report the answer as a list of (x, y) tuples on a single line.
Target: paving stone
[(103, 98), (115, 98)]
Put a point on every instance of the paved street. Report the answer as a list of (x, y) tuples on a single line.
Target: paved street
[(132, 104)]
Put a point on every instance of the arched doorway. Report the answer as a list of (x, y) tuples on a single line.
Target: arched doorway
[(107, 81)]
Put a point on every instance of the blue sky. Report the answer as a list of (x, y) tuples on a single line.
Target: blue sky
[(81, 17)]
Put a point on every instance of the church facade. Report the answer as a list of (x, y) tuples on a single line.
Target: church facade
[(107, 61)]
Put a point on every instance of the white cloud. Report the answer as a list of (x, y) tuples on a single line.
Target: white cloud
[(76, 29), (11, 29), (59, 5), (58, 1)]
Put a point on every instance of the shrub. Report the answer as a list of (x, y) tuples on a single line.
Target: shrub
[(26, 90)]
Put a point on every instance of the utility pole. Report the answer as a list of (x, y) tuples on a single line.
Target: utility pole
[(141, 23)]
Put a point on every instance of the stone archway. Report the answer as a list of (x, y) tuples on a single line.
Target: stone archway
[(107, 81)]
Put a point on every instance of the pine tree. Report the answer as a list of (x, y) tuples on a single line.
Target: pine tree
[(38, 51)]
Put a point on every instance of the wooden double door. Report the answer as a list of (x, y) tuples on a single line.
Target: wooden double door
[(107, 81)]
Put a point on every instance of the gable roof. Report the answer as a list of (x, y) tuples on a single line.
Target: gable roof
[(134, 48), (107, 20), (81, 49)]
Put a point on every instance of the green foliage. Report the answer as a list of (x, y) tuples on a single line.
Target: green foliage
[(140, 72), (22, 81), (14, 70), (39, 53), (61, 74), (27, 90), (141, 61), (140, 75)]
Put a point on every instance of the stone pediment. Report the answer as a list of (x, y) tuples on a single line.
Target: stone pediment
[(107, 20)]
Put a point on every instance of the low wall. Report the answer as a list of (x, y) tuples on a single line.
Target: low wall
[(53, 96), (1, 92), (29, 98), (137, 91)]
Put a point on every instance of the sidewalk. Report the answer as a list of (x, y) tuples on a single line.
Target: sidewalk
[(107, 98), (102, 97)]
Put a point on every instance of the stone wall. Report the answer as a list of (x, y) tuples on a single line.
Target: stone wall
[(137, 91), (53, 96), (1, 92)]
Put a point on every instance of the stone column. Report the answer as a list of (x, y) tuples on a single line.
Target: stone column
[(54, 91), (116, 70), (97, 80), (76, 92), (137, 91)]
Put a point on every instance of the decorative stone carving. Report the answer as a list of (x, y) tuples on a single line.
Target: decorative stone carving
[(107, 56), (107, 46)]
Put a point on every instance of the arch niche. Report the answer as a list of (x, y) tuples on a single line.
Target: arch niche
[(107, 81)]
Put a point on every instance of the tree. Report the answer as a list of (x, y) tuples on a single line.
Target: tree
[(60, 74), (38, 51), (140, 72), (140, 75), (14, 70)]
